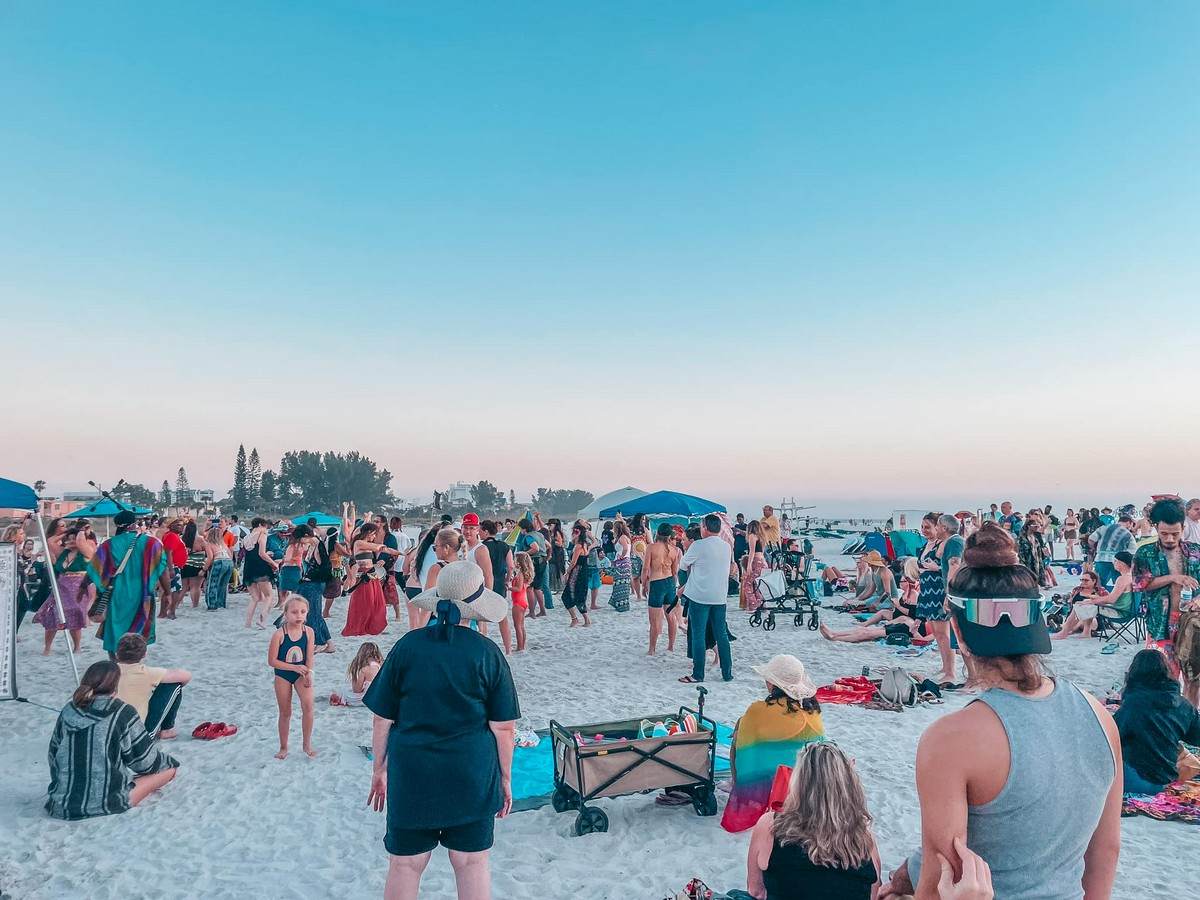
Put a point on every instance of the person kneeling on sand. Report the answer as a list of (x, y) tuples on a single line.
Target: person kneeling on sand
[(155, 693), (102, 761), (359, 675)]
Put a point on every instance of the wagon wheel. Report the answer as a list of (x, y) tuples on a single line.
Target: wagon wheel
[(704, 801), (591, 821), (814, 621), (769, 625), (755, 619), (560, 800), (798, 620)]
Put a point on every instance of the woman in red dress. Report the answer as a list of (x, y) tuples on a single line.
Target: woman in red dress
[(368, 611)]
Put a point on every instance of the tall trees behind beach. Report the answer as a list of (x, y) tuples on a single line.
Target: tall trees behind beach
[(309, 480)]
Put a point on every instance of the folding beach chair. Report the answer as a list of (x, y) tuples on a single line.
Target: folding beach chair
[(1131, 628)]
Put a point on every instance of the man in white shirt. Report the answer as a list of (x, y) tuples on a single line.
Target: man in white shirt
[(707, 562), (1191, 524)]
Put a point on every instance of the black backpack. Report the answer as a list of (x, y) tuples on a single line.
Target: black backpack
[(319, 568)]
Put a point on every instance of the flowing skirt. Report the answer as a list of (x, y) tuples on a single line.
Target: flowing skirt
[(313, 592), (575, 588), (216, 589), (622, 572), (754, 568), (73, 592), (367, 613)]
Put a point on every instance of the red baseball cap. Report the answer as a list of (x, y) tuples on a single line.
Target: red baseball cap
[(470, 519)]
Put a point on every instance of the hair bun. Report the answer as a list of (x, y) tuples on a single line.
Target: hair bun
[(990, 547)]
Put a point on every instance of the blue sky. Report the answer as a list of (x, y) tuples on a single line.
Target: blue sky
[(738, 249)]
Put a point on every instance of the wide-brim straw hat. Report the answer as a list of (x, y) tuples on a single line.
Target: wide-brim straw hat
[(462, 584), (875, 558), (787, 673)]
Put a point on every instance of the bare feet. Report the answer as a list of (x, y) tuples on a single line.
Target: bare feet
[(825, 631), (574, 623), (310, 751), (282, 754), (46, 652), (169, 735), (587, 623)]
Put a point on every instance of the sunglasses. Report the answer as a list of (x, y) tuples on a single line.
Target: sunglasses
[(988, 612)]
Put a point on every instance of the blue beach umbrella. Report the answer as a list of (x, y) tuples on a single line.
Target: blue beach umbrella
[(664, 503), (106, 509), (323, 521)]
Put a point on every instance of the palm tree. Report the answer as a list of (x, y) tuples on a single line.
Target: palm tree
[(39, 486)]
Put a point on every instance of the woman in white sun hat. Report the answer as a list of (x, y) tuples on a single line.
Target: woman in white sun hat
[(769, 735), (445, 709)]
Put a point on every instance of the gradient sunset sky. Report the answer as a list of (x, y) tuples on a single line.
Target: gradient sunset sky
[(866, 254)]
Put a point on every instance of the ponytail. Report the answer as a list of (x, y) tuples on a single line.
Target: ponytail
[(100, 680)]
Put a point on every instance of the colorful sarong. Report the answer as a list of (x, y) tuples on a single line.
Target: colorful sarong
[(768, 736)]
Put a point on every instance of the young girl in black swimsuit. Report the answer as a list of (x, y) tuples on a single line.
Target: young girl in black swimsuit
[(290, 655)]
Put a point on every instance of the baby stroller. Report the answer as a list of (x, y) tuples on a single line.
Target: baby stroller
[(787, 591)]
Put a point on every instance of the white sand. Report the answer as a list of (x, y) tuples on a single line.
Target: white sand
[(238, 823)]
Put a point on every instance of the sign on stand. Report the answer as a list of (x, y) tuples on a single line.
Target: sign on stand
[(8, 621)]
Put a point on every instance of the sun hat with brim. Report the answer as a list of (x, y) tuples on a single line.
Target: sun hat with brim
[(787, 673), (875, 558), (462, 584)]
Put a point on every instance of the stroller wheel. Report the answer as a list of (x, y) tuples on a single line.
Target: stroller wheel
[(591, 821), (755, 619), (769, 625)]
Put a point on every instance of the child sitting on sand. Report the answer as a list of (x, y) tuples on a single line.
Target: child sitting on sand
[(361, 672), (522, 578), (290, 655)]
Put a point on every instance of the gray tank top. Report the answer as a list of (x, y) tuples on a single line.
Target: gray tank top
[(1034, 834)]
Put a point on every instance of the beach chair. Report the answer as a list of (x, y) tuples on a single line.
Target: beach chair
[(1131, 628)]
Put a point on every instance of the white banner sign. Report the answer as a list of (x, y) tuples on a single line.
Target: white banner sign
[(8, 621)]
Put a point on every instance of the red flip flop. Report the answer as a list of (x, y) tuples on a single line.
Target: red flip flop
[(201, 731), (221, 730)]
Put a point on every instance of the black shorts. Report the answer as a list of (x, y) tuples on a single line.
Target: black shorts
[(539, 572), (411, 592), (472, 837)]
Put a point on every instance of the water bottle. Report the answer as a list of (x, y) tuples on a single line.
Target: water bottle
[(1185, 599)]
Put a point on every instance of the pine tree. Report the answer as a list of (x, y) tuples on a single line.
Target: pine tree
[(183, 493), (164, 495), (240, 494), (253, 476)]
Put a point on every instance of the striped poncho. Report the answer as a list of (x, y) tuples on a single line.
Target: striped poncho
[(768, 736), (94, 755)]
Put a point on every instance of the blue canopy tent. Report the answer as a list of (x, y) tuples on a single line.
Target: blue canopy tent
[(323, 520), (664, 503), (14, 495), (106, 509)]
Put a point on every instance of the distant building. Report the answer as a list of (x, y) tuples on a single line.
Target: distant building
[(84, 497), (53, 509), (458, 494)]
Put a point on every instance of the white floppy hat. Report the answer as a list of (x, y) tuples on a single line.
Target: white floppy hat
[(787, 673), (462, 584)]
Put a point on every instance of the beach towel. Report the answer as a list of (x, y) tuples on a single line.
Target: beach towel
[(768, 736), (855, 690), (1179, 802)]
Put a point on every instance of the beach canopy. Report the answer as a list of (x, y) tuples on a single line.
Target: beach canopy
[(14, 495), (323, 521), (612, 498), (664, 503), (106, 509)]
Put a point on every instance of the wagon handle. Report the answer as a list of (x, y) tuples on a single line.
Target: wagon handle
[(701, 690)]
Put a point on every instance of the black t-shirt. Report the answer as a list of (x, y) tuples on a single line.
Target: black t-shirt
[(1152, 723), (440, 691)]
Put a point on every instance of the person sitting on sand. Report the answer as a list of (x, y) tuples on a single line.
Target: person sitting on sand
[(445, 721), (831, 577), (290, 655), (988, 771), (102, 761), (879, 583), (1152, 720), (1090, 599), (910, 592), (155, 693), (359, 675), (768, 735), (820, 844)]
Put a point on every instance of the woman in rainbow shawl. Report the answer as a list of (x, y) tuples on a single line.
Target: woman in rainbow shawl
[(134, 564), (769, 735)]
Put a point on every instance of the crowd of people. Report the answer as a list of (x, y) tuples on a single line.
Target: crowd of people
[(975, 586)]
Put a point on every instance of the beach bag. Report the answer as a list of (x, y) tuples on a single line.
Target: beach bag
[(1187, 644), (100, 607), (772, 585), (898, 688)]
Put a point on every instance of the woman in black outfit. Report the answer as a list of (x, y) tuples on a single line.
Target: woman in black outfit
[(1152, 720)]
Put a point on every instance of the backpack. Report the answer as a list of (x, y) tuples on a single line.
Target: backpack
[(319, 567), (898, 688)]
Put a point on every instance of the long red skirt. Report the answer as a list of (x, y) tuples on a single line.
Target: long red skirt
[(368, 612)]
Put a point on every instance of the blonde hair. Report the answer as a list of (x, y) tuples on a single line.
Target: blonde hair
[(214, 534), (368, 653), (449, 538), (524, 564), (826, 809), (293, 598), (911, 570)]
